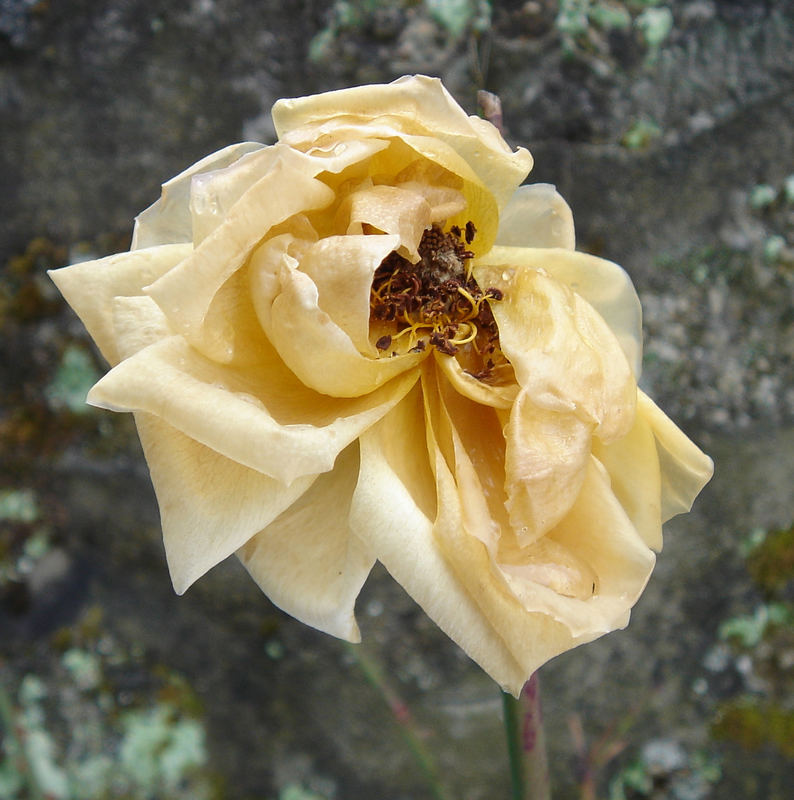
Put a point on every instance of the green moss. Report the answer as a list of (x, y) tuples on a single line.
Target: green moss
[(751, 629), (655, 25), (75, 375), (641, 134), (762, 196), (771, 562), (753, 725), (18, 505), (137, 743)]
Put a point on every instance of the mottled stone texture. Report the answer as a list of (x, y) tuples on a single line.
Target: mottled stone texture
[(658, 149)]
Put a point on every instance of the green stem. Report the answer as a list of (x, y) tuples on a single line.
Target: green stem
[(526, 743), (404, 719), (510, 716)]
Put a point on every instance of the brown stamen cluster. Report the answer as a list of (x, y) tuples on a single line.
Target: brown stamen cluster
[(436, 302)]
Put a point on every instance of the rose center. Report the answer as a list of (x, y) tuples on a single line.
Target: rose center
[(437, 303)]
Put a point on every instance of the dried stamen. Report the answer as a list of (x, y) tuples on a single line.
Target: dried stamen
[(437, 302)]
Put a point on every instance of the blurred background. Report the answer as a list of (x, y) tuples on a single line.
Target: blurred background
[(669, 127)]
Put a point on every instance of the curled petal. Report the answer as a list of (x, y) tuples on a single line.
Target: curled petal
[(186, 292), (545, 463), (168, 220), (394, 508), (536, 216), (496, 396), (309, 340), (563, 353), (342, 269), (598, 531), (261, 418), (604, 285), (390, 210), (685, 468), (508, 639), (308, 561), (413, 105), (90, 286)]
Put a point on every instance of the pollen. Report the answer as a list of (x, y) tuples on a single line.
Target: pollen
[(436, 303)]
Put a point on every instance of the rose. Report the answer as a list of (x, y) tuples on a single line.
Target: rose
[(367, 342)]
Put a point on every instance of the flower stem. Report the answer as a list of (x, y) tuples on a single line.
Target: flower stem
[(403, 718), (526, 743)]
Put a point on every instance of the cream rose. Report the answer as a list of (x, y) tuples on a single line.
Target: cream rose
[(367, 341)]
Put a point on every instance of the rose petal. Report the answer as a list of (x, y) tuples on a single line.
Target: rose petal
[(209, 505), (685, 469), (496, 396), (536, 216), (562, 351), (390, 210), (342, 268), (529, 636), (186, 292), (575, 383), (413, 105), (137, 323), (90, 286), (309, 341), (168, 219), (604, 285), (545, 463), (308, 561), (393, 509), (213, 193), (633, 466), (262, 418), (410, 159), (598, 533), (444, 201)]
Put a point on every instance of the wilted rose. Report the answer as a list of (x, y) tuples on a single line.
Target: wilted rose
[(367, 342)]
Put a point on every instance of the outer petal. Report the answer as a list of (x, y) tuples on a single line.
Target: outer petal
[(261, 418), (90, 286), (414, 105), (534, 620), (209, 505), (604, 285), (633, 466), (394, 506), (536, 216), (168, 219), (685, 469), (308, 561), (185, 293)]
